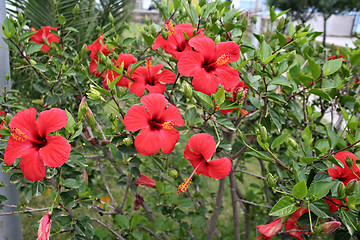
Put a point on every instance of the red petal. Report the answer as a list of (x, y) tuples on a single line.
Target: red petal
[(228, 76), (156, 88), (269, 230), (136, 118), (56, 151), (51, 120), (147, 142), (219, 168), (204, 45), (155, 104), (45, 48), (231, 48), (172, 114), (137, 88), (190, 63), (25, 121), (200, 145), (32, 166), (145, 181), (168, 139), (37, 37), (334, 173), (166, 76), (15, 149), (205, 82), (127, 59)]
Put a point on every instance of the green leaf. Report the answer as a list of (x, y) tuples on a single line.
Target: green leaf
[(319, 189), (344, 113), (307, 136), (265, 51), (355, 58), (71, 183), (332, 66), (285, 206), (273, 15), (282, 81), (314, 68), (335, 161), (62, 19), (136, 219), (349, 221), (122, 221), (270, 58), (320, 93), (225, 122), (320, 209), (300, 190), (205, 98), (307, 160), (33, 48), (9, 27), (71, 122), (135, 66), (220, 96), (279, 140), (26, 35)]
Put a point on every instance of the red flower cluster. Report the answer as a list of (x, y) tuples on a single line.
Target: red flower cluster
[(94, 48), (268, 231), (30, 141), (333, 57), (345, 174), (199, 150), (45, 37), (239, 90), (156, 119), (2, 123)]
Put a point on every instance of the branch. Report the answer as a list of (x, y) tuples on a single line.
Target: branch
[(107, 227), (26, 209), (234, 204), (151, 232), (212, 227)]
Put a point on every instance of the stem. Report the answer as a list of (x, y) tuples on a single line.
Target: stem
[(108, 227), (235, 207), (212, 227)]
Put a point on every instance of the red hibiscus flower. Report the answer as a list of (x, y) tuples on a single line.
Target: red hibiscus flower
[(145, 181), (94, 48), (240, 89), (198, 150), (290, 223), (2, 123), (45, 37), (149, 78), (127, 59), (269, 230), (345, 174), (44, 227), (30, 141), (156, 120), (209, 64), (330, 227), (176, 43)]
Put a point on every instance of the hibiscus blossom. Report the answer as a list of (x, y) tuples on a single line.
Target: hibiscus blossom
[(156, 120), (149, 78), (345, 174), (176, 42), (240, 89), (44, 227), (30, 141), (269, 230), (198, 150), (290, 223), (94, 48), (145, 181), (45, 37), (127, 59), (209, 64), (2, 123)]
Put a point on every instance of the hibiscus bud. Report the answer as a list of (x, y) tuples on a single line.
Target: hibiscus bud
[(139, 201), (239, 95), (8, 118), (128, 141), (20, 17), (350, 188), (243, 112), (153, 30), (85, 177), (44, 227), (263, 134), (173, 173), (111, 18), (95, 94), (188, 91), (82, 108), (281, 24), (7, 76), (76, 60), (147, 20), (90, 118), (349, 161), (291, 142), (291, 57), (341, 191), (76, 10), (83, 51), (330, 227), (270, 180)]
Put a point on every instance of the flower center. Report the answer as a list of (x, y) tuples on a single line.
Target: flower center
[(168, 125), (184, 186), (169, 27), (18, 135), (223, 59)]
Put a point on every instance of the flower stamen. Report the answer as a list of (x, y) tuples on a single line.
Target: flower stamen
[(223, 59), (18, 135), (148, 64), (184, 186), (168, 125), (169, 27)]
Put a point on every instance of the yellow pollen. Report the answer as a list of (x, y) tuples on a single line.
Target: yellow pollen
[(168, 125), (169, 27), (223, 59), (18, 135), (184, 186), (148, 64)]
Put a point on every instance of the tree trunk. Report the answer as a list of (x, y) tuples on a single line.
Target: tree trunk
[(324, 34)]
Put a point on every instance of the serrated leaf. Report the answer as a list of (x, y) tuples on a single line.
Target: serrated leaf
[(285, 206), (279, 140), (316, 208), (300, 190)]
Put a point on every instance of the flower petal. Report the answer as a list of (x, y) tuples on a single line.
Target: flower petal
[(166, 76), (156, 88), (25, 122), (137, 88), (155, 104), (205, 82), (219, 168), (15, 149), (230, 48), (51, 120), (32, 166), (200, 144), (190, 63), (172, 114), (136, 118), (228, 76), (204, 45), (56, 151), (147, 142), (168, 139)]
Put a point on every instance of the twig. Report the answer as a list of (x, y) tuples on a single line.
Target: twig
[(151, 232), (252, 203), (119, 210), (107, 227), (126, 191), (234, 205), (251, 174), (24, 210), (212, 227)]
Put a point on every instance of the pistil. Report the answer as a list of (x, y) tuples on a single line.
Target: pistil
[(184, 186)]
